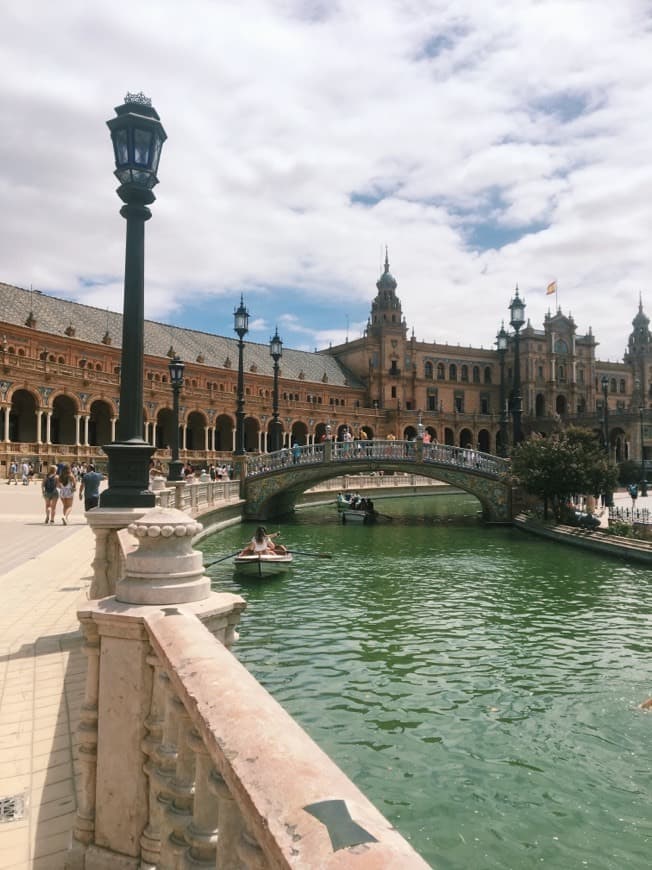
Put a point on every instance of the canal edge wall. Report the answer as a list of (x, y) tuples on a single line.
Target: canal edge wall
[(596, 541)]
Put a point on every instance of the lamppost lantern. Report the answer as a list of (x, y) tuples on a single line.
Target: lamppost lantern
[(517, 309), (605, 384), (175, 469), (517, 319), (176, 367), (241, 326), (138, 136), (241, 320), (275, 347), (276, 352), (501, 338)]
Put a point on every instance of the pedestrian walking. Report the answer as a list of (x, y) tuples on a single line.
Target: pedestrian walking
[(24, 472), (89, 488), (67, 486), (50, 490), (13, 473)]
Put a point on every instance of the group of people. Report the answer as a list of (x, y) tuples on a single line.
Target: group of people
[(26, 472), (60, 483), (262, 543)]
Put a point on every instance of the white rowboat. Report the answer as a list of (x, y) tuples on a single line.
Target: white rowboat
[(263, 564)]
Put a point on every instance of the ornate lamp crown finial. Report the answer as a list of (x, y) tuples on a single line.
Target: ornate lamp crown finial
[(139, 98)]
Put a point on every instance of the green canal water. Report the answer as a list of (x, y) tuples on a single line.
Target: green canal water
[(478, 684)]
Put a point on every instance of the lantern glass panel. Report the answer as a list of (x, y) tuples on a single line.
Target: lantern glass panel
[(142, 147), (121, 147)]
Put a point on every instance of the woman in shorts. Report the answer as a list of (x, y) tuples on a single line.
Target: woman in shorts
[(67, 487)]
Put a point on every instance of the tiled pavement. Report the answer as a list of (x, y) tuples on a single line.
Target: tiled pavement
[(44, 577)]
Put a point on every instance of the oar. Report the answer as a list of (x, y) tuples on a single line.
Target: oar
[(222, 559), (317, 555)]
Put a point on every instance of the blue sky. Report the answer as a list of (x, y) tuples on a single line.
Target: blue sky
[(485, 144)]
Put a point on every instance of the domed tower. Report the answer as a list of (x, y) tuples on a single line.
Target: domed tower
[(639, 352), (386, 307)]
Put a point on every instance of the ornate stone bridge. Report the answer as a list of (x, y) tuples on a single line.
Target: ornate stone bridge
[(273, 481)]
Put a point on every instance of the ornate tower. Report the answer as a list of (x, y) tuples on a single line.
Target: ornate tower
[(639, 354), (386, 341)]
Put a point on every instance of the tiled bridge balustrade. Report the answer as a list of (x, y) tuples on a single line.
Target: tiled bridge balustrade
[(186, 761), (273, 481)]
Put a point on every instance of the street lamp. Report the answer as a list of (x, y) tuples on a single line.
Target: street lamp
[(241, 326), (517, 319), (643, 484), (420, 427), (175, 469), (276, 352), (501, 343), (138, 136), (605, 412)]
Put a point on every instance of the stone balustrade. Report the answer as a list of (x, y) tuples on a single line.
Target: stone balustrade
[(185, 760)]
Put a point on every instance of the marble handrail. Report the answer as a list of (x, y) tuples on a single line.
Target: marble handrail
[(232, 774)]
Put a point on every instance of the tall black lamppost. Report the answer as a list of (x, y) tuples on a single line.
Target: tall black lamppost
[(138, 136), (241, 326), (517, 319), (643, 484), (276, 352), (605, 414), (175, 469), (501, 343)]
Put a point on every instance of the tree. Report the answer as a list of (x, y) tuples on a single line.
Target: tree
[(566, 464)]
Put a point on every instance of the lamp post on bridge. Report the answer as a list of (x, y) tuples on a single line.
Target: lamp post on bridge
[(501, 343), (517, 319), (276, 352), (605, 414), (175, 468), (241, 326), (137, 136)]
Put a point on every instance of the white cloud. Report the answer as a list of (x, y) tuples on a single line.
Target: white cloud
[(523, 123)]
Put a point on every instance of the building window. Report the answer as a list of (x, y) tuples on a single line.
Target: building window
[(612, 386), (428, 371), (580, 376), (622, 385), (441, 372), (393, 392), (452, 372), (476, 374), (432, 403), (459, 403), (464, 373), (487, 375), (484, 405), (540, 373)]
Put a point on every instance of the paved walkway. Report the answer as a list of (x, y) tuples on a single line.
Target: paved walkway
[(44, 577)]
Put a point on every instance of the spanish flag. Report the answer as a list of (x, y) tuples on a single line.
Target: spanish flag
[(551, 288)]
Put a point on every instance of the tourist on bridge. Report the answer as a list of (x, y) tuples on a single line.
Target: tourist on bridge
[(50, 490)]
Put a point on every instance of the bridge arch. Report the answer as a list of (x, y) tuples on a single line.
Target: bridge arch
[(271, 487)]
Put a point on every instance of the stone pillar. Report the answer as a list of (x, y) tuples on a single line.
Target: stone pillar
[(87, 420), (206, 430), (182, 439), (48, 426), (114, 421), (77, 427), (39, 417), (136, 798)]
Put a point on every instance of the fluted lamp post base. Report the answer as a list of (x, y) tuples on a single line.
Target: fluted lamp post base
[(128, 475)]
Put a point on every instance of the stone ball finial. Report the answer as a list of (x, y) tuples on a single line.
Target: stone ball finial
[(164, 569)]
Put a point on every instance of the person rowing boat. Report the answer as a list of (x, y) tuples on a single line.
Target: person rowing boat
[(262, 543)]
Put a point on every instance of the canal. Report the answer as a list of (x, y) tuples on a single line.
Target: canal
[(479, 685)]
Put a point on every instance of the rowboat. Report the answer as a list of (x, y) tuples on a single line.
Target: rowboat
[(263, 564), (349, 515)]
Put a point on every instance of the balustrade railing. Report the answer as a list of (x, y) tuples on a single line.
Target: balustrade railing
[(630, 515), (378, 450)]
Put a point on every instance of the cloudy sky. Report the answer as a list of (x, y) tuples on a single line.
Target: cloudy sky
[(488, 144)]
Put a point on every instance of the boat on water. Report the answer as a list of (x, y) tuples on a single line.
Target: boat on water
[(357, 515), (263, 564), (354, 509)]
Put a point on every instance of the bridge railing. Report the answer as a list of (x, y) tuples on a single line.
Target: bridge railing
[(310, 454), (464, 457), (377, 450)]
